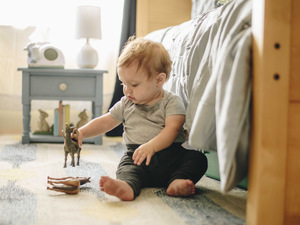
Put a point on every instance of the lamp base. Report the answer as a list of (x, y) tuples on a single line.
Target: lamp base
[(87, 57)]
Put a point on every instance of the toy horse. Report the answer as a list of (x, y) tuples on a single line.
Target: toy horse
[(71, 145), (68, 185)]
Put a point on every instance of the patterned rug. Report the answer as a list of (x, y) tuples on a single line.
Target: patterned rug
[(24, 198)]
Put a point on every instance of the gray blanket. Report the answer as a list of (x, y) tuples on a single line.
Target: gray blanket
[(211, 71)]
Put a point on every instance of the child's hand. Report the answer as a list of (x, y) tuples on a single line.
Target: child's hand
[(78, 136), (143, 152)]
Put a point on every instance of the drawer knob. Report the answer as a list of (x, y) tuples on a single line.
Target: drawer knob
[(63, 86)]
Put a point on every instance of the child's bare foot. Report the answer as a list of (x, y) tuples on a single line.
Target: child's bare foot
[(181, 187), (117, 188)]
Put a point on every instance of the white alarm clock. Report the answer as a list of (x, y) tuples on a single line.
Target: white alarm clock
[(43, 54)]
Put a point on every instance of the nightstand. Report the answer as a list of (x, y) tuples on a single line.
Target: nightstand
[(60, 84)]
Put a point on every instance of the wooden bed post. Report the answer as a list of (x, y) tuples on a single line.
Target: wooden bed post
[(274, 181)]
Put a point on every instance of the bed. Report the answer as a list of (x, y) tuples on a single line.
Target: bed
[(235, 66)]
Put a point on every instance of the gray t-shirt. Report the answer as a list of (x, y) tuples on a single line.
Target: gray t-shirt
[(143, 122)]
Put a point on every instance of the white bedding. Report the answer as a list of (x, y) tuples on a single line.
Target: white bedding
[(211, 71)]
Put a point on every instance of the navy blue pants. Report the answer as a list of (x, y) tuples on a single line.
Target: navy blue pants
[(174, 162)]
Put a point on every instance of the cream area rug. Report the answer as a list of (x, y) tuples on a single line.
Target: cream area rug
[(24, 198)]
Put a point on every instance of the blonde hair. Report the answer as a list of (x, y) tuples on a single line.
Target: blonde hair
[(149, 55)]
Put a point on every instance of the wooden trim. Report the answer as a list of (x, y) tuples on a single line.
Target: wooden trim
[(292, 196), (271, 30), (273, 196), (295, 52), (157, 14), (142, 17)]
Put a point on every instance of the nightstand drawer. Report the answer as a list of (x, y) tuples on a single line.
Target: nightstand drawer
[(60, 86)]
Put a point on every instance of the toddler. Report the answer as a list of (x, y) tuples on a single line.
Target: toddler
[(153, 121)]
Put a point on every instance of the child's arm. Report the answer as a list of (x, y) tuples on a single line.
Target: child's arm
[(163, 140), (97, 126)]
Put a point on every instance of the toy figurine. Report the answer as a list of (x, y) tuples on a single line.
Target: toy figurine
[(83, 118), (71, 145), (42, 124), (68, 185)]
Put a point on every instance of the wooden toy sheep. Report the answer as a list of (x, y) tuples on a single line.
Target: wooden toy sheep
[(71, 145)]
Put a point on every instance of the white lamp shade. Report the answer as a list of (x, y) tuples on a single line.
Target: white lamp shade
[(88, 22)]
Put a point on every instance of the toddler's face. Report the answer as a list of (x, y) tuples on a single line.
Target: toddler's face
[(137, 86)]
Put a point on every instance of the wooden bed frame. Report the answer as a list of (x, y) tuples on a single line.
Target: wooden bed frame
[(274, 167)]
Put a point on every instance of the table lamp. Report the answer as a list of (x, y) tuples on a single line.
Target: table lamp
[(88, 25)]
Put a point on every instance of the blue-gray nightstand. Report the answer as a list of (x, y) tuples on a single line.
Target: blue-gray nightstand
[(60, 84)]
